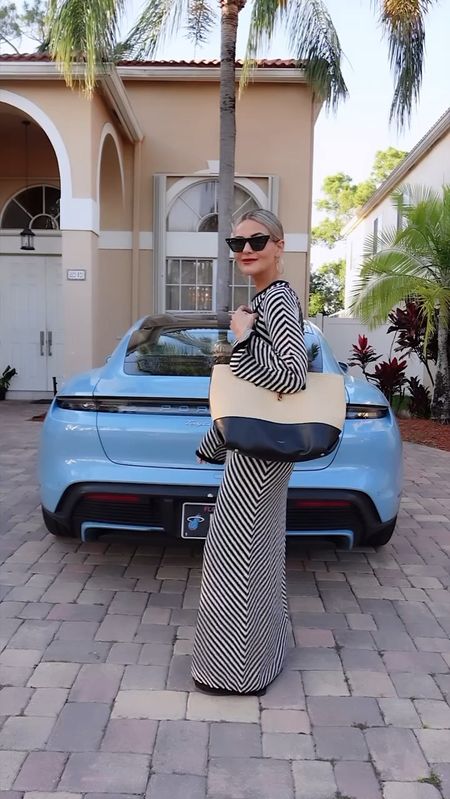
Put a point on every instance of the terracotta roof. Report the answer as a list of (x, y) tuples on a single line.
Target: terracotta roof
[(24, 57), (215, 62), (262, 63)]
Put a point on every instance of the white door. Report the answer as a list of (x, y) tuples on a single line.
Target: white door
[(54, 321), (30, 320)]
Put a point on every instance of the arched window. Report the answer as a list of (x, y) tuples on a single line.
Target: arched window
[(36, 207), (189, 281), (195, 210)]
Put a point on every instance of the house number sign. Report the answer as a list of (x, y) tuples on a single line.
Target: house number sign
[(76, 274)]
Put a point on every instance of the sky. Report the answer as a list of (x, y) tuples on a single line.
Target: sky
[(346, 141)]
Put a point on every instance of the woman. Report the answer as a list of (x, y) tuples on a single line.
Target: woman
[(241, 632)]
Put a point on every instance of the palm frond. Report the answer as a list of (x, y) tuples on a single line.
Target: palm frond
[(83, 32), (390, 278), (263, 23), (313, 39), (201, 19), (158, 20), (403, 22), (412, 262), (382, 240), (408, 195)]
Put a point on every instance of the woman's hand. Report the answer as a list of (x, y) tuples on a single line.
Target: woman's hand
[(242, 320)]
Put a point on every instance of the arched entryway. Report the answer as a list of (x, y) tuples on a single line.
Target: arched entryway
[(31, 316)]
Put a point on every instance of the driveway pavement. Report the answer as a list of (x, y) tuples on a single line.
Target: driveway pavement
[(95, 645)]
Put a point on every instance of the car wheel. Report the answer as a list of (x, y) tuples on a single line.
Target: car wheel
[(384, 536)]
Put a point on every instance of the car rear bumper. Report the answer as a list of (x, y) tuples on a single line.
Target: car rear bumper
[(87, 510)]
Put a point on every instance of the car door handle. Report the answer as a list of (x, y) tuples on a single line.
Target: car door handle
[(42, 341), (49, 342)]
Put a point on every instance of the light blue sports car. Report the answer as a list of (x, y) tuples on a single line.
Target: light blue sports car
[(118, 445)]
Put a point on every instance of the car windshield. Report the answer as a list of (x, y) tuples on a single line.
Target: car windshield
[(182, 350)]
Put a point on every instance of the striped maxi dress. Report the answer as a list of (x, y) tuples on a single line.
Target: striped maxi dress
[(241, 632)]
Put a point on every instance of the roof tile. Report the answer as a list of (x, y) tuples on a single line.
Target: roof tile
[(263, 63)]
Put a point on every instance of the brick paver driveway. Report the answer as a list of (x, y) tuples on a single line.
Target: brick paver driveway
[(95, 645)]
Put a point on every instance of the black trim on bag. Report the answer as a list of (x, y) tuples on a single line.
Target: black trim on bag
[(292, 443)]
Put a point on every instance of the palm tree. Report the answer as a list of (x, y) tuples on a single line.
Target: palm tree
[(413, 262), (85, 33)]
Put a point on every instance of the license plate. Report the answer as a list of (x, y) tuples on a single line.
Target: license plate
[(195, 519)]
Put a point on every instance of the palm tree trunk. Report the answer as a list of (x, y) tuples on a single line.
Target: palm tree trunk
[(229, 24), (440, 406)]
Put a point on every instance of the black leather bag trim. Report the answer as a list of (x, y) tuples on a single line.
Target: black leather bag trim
[(291, 443)]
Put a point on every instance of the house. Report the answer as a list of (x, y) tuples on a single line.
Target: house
[(120, 192), (428, 164)]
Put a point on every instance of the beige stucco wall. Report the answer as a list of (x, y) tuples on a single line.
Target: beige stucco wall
[(274, 136), (112, 306), (180, 122), (115, 212), (281, 146), (279, 141), (79, 250)]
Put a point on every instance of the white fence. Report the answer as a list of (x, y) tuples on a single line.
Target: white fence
[(342, 332)]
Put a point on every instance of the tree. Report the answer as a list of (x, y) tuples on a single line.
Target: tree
[(385, 162), (342, 197), (15, 24), (326, 288), (413, 263)]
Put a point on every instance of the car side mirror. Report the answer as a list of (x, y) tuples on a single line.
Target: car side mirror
[(344, 366)]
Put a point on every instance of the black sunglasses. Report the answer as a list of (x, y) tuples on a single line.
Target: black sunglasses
[(257, 243)]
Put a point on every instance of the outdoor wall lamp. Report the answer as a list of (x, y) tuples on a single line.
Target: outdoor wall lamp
[(26, 239)]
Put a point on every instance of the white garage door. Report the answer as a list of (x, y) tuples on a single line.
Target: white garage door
[(31, 320)]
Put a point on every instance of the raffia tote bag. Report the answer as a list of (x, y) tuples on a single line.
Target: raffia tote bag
[(278, 427)]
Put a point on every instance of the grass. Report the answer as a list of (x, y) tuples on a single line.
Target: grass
[(433, 779)]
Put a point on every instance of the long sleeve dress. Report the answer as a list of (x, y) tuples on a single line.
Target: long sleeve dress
[(241, 632)]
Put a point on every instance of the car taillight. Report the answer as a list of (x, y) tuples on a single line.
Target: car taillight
[(148, 405), (321, 503), (76, 403), (103, 496), (366, 411)]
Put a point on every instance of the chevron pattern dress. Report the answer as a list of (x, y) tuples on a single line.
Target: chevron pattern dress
[(241, 632)]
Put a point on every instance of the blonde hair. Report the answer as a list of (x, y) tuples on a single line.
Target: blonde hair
[(267, 218)]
